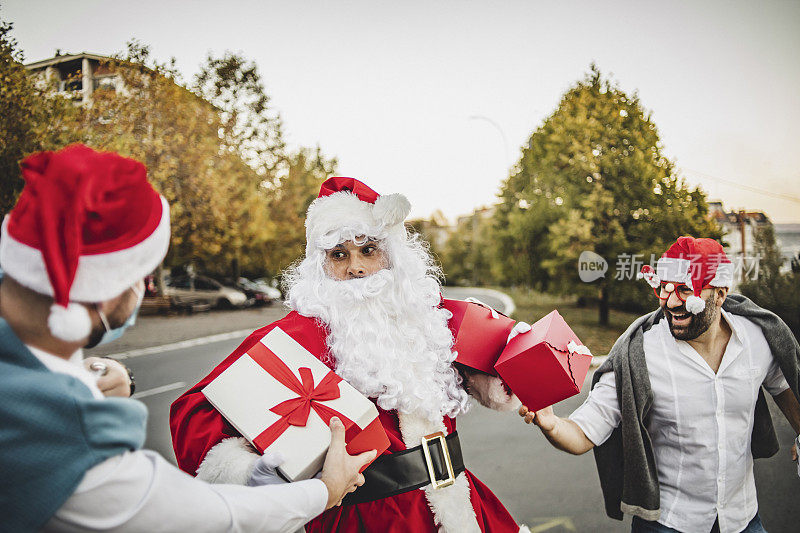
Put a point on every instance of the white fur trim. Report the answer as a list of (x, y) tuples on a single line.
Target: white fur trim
[(414, 427), (451, 506), (231, 461), (71, 323), (723, 277), (490, 392), (524, 529), (695, 304), (391, 209), (674, 269), (329, 214), (99, 277)]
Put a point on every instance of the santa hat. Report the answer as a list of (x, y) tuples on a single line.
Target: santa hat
[(86, 227), (699, 263), (346, 204)]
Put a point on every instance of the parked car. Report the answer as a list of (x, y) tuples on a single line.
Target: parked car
[(270, 287), (257, 293), (191, 290)]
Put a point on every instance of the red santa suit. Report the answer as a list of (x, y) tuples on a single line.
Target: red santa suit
[(387, 336), (197, 428)]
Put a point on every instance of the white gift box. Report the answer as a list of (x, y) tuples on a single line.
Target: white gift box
[(245, 392)]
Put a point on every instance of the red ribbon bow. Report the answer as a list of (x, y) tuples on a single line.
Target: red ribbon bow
[(295, 411)]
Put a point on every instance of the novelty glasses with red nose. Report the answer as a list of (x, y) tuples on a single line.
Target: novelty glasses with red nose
[(665, 289)]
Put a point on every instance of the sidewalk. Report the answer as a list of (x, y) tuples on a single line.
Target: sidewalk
[(158, 330)]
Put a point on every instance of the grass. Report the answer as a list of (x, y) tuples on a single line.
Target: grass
[(532, 305)]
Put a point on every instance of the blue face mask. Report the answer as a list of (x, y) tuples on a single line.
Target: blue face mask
[(116, 333)]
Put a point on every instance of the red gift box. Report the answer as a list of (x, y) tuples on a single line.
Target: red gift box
[(545, 365), (480, 334)]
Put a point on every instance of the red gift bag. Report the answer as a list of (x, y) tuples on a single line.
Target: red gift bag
[(545, 365), (480, 334)]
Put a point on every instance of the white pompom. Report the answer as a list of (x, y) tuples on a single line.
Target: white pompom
[(391, 209), (71, 323), (695, 304)]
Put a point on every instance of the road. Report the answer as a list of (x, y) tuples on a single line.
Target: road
[(546, 489)]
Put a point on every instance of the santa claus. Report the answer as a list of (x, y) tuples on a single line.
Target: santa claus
[(366, 301)]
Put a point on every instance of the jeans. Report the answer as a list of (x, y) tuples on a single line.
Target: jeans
[(643, 526)]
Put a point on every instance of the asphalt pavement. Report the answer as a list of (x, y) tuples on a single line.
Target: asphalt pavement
[(542, 487)]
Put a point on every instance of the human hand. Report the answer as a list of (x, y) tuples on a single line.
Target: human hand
[(519, 327), (544, 418), (265, 471), (112, 376), (341, 472)]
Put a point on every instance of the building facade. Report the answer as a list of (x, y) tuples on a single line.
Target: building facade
[(77, 76)]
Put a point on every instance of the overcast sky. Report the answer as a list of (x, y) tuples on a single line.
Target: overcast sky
[(389, 87)]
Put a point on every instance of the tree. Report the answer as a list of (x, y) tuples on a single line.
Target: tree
[(29, 120), (466, 257), (770, 288), (17, 97), (237, 200), (593, 177), (248, 125), (219, 212), (289, 197)]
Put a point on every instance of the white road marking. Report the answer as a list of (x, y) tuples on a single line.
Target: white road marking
[(559, 521), (180, 345), (159, 390)]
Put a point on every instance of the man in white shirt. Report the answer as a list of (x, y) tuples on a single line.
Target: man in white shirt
[(705, 368), (86, 230)]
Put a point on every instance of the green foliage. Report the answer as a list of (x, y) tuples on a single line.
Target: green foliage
[(770, 288), (592, 177), (29, 121), (467, 255), (237, 200), (248, 125), (17, 97), (289, 198)]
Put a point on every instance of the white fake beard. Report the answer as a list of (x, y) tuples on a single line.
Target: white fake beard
[(388, 338)]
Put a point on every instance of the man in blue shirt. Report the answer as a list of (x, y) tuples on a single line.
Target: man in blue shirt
[(86, 230)]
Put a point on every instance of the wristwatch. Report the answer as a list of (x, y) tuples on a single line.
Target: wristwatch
[(127, 368), (130, 377)]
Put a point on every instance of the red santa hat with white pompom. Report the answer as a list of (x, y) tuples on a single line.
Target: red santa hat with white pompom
[(348, 204), (698, 263), (87, 226)]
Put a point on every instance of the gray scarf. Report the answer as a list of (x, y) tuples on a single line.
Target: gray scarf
[(625, 462)]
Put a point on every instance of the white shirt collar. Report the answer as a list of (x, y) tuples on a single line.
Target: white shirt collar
[(72, 367), (732, 350)]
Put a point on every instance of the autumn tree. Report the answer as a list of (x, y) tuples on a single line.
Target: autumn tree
[(17, 98), (29, 119), (237, 199), (594, 177), (218, 215), (290, 194)]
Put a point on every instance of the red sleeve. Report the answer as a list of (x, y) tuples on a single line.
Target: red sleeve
[(196, 426)]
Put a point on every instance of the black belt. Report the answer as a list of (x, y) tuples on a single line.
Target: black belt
[(396, 473)]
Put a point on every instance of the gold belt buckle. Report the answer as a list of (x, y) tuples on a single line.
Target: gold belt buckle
[(451, 478)]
